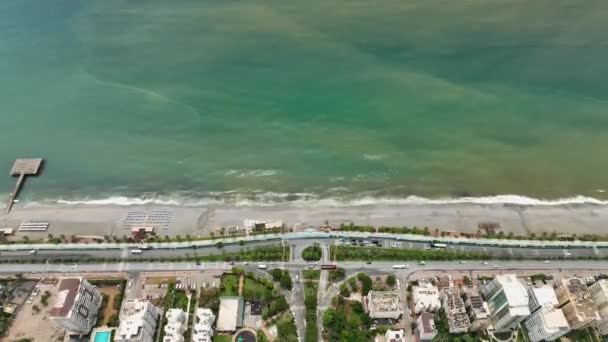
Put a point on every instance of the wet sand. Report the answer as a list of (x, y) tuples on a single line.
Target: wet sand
[(198, 221)]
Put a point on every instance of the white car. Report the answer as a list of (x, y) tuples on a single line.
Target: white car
[(485, 262), (462, 262), (547, 262)]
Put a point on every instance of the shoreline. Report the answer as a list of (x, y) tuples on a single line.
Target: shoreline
[(107, 219)]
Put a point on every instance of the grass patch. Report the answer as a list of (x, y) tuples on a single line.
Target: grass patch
[(312, 274), (367, 253), (253, 289), (312, 253), (222, 338), (230, 285)]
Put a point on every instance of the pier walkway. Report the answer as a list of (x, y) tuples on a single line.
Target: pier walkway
[(22, 168)]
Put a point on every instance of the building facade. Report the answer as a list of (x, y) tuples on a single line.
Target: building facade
[(599, 292), (458, 319), (203, 329), (507, 300), (76, 306), (478, 311), (576, 302), (547, 324), (176, 325), (426, 297), (138, 321)]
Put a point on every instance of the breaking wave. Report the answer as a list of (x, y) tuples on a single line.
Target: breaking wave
[(236, 198)]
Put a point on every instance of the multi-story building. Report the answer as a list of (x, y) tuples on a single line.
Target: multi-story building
[(547, 324), (138, 321), (384, 304), (539, 297), (599, 292), (478, 311), (458, 320), (76, 306), (507, 300), (176, 325), (203, 329), (576, 302), (426, 327), (425, 297)]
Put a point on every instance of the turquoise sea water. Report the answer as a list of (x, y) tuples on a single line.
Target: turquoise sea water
[(329, 98)]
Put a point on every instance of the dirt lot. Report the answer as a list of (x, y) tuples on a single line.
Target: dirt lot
[(36, 326), (111, 291)]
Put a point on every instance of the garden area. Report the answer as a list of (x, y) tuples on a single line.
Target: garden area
[(311, 287), (312, 253), (367, 253), (112, 292), (347, 321), (254, 289)]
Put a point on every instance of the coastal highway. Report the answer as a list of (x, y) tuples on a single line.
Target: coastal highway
[(352, 266), (297, 245)]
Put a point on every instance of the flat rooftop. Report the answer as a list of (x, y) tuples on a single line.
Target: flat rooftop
[(26, 166), (230, 315), (68, 289)]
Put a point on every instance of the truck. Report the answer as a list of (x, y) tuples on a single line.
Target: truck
[(439, 245), (400, 267), (136, 251), (262, 266)]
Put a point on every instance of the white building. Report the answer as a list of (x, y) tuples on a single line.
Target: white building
[(507, 300), (384, 304), (176, 325), (203, 329), (138, 321), (426, 327), (230, 315), (251, 225), (76, 306), (540, 297), (599, 292), (547, 324), (426, 297), (394, 336)]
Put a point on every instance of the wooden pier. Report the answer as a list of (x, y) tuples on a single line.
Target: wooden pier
[(22, 168)]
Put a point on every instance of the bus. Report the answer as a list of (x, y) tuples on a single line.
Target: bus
[(439, 245), (399, 267), (328, 267)]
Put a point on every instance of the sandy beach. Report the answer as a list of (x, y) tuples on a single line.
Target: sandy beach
[(198, 221)]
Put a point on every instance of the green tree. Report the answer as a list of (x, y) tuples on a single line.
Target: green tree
[(276, 274), (390, 280), (286, 281), (344, 292)]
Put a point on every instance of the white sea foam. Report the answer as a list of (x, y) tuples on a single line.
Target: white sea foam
[(252, 173), (259, 198)]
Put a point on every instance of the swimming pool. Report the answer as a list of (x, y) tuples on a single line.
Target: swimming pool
[(102, 336)]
